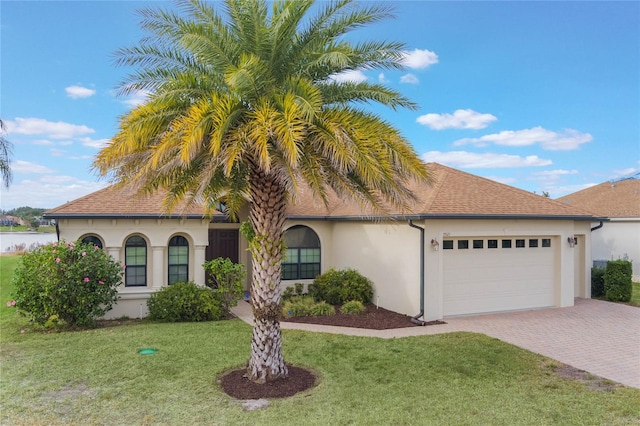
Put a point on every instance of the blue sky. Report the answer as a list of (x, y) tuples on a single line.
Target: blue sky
[(543, 96)]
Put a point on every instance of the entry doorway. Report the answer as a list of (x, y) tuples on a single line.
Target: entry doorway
[(222, 243)]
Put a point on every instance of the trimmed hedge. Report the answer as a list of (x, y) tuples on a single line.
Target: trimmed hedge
[(617, 281), (597, 281), (184, 302), (339, 287)]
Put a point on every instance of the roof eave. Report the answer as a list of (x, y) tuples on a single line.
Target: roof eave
[(452, 216), (127, 216)]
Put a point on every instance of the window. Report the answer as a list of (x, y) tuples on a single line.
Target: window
[(302, 257), (92, 239), (519, 243), (492, 243), (178, 260), (506, 243), (447, 244), (533, 242), (478, 244), (546, 242), (463, 244), (135, 254)]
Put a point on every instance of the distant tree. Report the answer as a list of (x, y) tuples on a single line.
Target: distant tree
[(546, 194), (35, 222), (6, 149)]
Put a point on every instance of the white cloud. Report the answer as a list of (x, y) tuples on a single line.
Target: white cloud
[(419, 58), (55, 152), (20, 166), (502, 179), (630, 171), (474, 160), (559, 191), (137, 98), (409, 79), (47, 191), (547, 178), (93, 143), (352, 76), (77, 92), (567, 140), (460, 119), (43, 142), (39, 126), (382, 78)]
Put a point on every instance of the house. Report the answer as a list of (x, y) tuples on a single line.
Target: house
[(619, 238), (469, 245)]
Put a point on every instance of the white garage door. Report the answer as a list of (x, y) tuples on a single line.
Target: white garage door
[(498, 274)]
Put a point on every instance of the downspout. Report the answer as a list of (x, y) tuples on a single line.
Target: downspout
[(415, 319), (57, 230), (597, 226)]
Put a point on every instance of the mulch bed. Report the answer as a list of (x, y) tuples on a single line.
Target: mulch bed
[(238, 386), (235, 384), (373, 318)]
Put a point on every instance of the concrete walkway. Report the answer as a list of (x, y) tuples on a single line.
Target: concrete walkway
[(602, 338)]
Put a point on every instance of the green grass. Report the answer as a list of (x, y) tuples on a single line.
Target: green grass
[(635, 295), (24, 228), (97, 377)]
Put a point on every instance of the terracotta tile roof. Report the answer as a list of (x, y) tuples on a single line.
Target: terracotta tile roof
[(453, 194), (612, 199)]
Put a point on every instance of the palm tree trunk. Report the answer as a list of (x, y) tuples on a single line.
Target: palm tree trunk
[(267, 215)]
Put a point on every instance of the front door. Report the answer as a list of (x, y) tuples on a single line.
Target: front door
[(222, 243)]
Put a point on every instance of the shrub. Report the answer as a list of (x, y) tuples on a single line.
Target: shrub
[(298, 306), (181, 302), (597, 281), (74, 283), (352, 307), (227, 279), (287, 293), (617, 281), (338, 287), (299, 288), (323, 308)]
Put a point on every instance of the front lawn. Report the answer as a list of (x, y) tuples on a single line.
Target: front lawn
[(635, 295), (97, 377)]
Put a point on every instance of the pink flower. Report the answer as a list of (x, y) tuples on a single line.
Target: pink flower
[(22, 331), (53, 251), (57, 260), (84, 253), (86, 279), (13, 303), (54, 245), (100, 282), (9, 303), (96, 248)]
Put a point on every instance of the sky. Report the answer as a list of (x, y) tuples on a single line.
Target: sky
[(543, 96)]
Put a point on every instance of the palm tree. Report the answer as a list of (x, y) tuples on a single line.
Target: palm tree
[(5, 157), (244, 107)]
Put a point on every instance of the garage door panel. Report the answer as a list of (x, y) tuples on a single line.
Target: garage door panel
[(490, 280)]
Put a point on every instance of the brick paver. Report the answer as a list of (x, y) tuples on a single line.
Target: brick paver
[(600, 337)]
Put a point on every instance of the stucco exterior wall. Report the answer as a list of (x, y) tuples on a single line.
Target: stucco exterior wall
[(618, 239), (157, 233)]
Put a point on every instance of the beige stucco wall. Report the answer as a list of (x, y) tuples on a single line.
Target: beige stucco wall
[(157, 233), (619, 239), (388, 253)]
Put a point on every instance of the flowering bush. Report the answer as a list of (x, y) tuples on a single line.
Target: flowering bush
[(75, 282)]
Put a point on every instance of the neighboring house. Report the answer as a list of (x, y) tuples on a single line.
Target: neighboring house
[(487, 246), (618, 200)]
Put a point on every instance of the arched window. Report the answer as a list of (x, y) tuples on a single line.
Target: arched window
[(178, 260), (302, 258), (135, 254), (92, 239)]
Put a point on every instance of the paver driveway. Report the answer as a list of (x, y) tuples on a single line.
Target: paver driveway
[(602, 338)]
